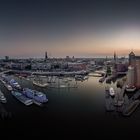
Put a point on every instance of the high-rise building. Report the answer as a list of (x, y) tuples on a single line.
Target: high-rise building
[(131, 76), (132, 59), (137, 71)]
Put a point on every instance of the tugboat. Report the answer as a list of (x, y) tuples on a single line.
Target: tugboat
[(2, 98), (38, 97)]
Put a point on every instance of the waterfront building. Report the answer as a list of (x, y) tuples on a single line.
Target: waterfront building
[(131, 76), (137, 71), (121, 67), (134, 61)]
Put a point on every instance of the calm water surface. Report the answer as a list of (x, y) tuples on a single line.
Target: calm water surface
[(69, 110)]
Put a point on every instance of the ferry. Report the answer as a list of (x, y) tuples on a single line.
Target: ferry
[(14, 84), (22, 98), (111, 92), (2, 98), (131, 108), (130, 88), (36, 96)]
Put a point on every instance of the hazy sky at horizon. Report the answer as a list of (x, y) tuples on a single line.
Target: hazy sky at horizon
[(81, 28)]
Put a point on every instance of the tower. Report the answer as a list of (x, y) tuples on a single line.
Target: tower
[(46, 55), (115, 57), (132, 58)]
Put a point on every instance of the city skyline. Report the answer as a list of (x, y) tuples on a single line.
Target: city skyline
[(75, 28)]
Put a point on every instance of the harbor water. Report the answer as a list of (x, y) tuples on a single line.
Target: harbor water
[(69, 110)]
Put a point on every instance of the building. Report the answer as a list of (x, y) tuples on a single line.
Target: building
[(46, 55), (134, 61), (115, 57), (121, 67), (6, 58), (137, 71), (131, 76)]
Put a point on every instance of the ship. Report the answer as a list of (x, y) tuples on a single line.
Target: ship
[(36, 96), (2, 98), (22, 98)]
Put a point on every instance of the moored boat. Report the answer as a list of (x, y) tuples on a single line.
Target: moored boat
[(81, 77), (22, 98), (43, 85), (9, 87), (14, 84), (35, 95), (6, 84)]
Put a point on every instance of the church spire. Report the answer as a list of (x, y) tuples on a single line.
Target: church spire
[(114, 56)]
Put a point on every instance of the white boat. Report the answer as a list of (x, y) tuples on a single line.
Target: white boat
[(111, 92), (36, 83), (14, 84), (63, 86), (80, 77), (130, 88), (8, 86), (2, 98)]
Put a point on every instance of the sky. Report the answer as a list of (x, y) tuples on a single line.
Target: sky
[(80, 28)]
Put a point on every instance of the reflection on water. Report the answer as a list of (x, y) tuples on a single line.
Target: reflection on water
[(78, 108), (3, 112)]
